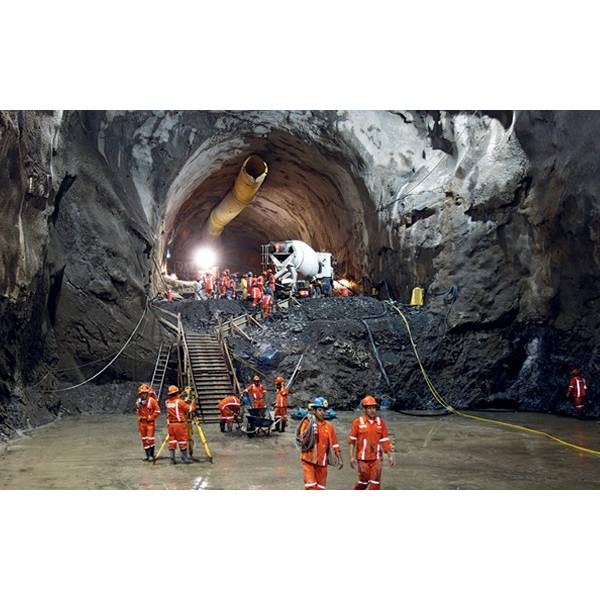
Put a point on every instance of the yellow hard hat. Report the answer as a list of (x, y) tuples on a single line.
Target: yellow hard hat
[(173, 389), (144, 388)]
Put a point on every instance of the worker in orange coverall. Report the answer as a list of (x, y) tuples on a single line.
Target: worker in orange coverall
[(368, 441), (266, 302), (147, 410), (229, 408), (209, 285), (257, 392), (255, 294), (316, 438), (177, 413), (577, 390), (281, 403)]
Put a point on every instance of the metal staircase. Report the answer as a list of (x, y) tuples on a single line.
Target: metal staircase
[(210, 373), (160, 369)]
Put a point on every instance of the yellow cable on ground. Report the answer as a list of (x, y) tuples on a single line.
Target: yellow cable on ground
[(438, 397)]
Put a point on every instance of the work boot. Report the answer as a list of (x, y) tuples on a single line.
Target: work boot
[(184, 457), (151, 452), (172, 453), (230, 427), (222, 426), (282, 426), (147, 454), (276, 427)]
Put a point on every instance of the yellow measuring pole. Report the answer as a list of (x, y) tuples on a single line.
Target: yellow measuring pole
[(202, 438)]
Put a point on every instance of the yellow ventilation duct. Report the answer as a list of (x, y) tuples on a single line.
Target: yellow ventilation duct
[(249, 179)]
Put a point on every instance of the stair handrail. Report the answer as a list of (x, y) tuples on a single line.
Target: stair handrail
[(225, 350), (187, 361)]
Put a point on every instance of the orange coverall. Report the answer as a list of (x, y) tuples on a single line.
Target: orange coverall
[(266, 303), (257, 395), (228, 408), (314, 461), (578, 390), (256, 295), (371, 439), (281, 403), (209, 284), (147, 412), (177, 412)]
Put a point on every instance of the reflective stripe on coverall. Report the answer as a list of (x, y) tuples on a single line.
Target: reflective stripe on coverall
[(371, 440), (228, 408), (281, 403), (257, 395), (314, 461), (578, 390), (266, 303), (177, 412), (147, 412), (256, 295)]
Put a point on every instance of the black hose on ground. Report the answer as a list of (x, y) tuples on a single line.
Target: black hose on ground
[(435, 413)]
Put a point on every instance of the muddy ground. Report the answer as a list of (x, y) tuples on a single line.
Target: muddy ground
[(104, 452)]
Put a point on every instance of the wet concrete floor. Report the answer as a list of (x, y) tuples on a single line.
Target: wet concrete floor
[(104, 452)]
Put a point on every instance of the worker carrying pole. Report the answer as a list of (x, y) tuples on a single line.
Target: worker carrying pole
[(368, 441)]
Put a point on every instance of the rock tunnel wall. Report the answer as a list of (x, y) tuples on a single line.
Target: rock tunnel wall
[(494, 213)]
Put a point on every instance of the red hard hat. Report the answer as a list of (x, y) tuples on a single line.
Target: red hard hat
[(369, 401), (173, 389)]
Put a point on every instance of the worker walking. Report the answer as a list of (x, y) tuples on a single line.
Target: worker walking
[(577, 390), (177, 412), (316, 437), (368, 441), (257, 392), (244, 286), (281, 404), (229, 409), (147, 410)]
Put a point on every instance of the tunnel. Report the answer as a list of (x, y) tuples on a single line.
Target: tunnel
[(493, 215), (309, 194)]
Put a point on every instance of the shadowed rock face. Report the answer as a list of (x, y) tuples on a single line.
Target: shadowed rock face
[(500, 207)]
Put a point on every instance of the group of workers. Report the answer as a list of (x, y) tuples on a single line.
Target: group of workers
[(230, 406), (259, 289), (368, 441), (179, 414), (316, 437)]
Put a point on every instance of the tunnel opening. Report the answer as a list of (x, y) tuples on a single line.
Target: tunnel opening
[(310, 194)]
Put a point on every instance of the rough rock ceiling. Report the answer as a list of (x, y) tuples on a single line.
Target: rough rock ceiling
[(307, 195)]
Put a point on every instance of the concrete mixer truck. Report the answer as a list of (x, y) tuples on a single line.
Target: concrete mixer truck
[(296, 264)]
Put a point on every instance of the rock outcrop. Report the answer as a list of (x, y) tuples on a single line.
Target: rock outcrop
[(494, 213)]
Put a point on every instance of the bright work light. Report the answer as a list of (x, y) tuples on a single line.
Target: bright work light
[(205, 258)]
